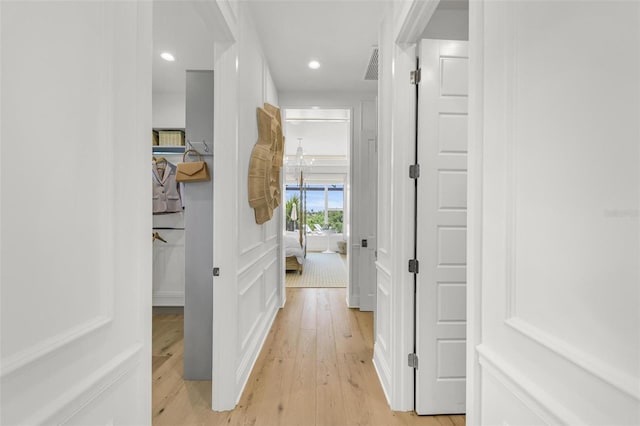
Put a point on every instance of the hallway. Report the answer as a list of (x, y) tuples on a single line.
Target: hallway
[(314, 369)]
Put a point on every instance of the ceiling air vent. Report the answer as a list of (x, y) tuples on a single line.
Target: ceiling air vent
[(372, 69)]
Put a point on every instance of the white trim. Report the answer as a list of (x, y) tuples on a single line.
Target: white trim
[(247, 364), (251, 283), (217, 15), (32, 354), (605, 372), (71, 402), (416, 18), (168, 298), (144, 278), (254, 246), (402, 298), (226, 247), (270, 297), (269, 239), (474, 211), (383, 269), (281, 246), (249, 266), (383, 372), (511, 171), (535, 398)]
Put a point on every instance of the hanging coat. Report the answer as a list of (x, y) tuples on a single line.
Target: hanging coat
[(166, 191)]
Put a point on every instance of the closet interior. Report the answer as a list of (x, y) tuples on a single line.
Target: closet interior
[(182, 120)]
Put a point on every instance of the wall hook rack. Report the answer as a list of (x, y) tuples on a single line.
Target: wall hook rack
[(200, 146)]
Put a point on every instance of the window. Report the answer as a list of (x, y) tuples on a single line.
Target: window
[(324, 205)]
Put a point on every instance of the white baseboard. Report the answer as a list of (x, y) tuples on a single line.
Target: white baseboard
[(168, 298)]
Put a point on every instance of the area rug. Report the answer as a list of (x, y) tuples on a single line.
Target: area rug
[(321, 270)]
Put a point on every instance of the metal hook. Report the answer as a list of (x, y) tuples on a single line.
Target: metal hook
[(206, 147)]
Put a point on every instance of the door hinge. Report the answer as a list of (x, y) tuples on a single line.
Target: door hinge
[(416, 76), (413, 360), (414, 171), (414, 266), (216, 272)]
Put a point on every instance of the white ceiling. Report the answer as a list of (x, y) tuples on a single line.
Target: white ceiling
[(338, 34), (180, 30)]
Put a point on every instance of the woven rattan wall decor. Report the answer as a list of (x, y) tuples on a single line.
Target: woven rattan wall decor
[(265, 164)]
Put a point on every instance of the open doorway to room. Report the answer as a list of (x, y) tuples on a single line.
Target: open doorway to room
[(182, 104), (316, 184)]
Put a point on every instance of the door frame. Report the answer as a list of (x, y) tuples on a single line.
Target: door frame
[(413, 19), (348, 185), (474, 208)]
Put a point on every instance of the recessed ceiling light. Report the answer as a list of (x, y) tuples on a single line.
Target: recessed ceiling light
[(167, 56), (314, 65)]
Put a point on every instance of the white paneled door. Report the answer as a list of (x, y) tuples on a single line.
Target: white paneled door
[(76, 213), (365, 209), (442, 228)]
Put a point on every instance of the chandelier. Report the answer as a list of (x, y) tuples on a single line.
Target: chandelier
[(299, 164)]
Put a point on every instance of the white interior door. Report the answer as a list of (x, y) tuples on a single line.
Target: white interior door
[(441, 228), (555, 213), (365, 209), (76, 219)]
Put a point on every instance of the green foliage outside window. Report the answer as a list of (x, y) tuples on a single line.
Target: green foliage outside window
[(335, 219)]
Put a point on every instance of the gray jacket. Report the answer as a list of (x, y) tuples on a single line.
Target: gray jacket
[(166, 191)]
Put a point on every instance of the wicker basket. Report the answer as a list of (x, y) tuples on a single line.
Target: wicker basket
[(171, 137)]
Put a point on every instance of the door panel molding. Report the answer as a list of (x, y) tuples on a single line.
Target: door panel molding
[(442, 230), (533, 397), (583, 359), (38, 352), (74, 400)]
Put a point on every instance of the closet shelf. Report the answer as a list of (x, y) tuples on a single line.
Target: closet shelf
[(160, 149)]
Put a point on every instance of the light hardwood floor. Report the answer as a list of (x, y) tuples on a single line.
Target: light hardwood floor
[(314, 369)]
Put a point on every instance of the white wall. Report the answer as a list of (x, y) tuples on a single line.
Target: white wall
[(75, 311), (448, 24), (318, 138), (257, 271), (168, 110), (247, 292), (555, 218)]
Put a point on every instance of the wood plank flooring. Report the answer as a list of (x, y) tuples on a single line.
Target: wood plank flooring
[(314, 369)]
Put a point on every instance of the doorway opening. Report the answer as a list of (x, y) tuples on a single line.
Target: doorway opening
[(182, 102), (441, 212), (316, 183)]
